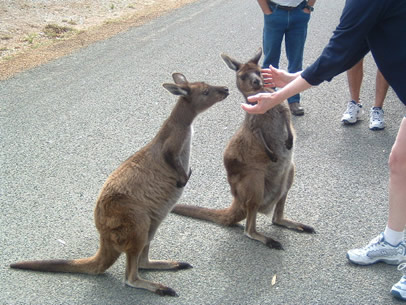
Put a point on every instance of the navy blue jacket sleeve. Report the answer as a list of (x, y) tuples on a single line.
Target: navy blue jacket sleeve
[(348, 45)]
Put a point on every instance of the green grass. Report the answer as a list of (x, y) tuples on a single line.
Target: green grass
[(30, 38)]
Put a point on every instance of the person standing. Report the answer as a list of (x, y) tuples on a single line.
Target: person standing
[(379, 27), (289, 19), (354, 109)]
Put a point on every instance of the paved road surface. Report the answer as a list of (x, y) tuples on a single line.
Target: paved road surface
[(67, 124)]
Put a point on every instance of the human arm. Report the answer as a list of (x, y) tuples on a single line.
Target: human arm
[(266, 101), (348, 44), (264, 7)]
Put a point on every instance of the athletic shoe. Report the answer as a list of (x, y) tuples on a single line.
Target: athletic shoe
[(399, 289), (353, 113), (378, 250), (376, 121)]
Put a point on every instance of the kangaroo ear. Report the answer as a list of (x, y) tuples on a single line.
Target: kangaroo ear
[(177, 89), (231, 63), (179, 78), (257, 56)]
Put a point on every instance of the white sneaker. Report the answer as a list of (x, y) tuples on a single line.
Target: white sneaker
[(378, 250), (353, 113), (376, 121), (399, 289)]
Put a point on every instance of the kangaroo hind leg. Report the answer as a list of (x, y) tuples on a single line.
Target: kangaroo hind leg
[(250, 194), (133, 278), (279, 219), (251, 231)]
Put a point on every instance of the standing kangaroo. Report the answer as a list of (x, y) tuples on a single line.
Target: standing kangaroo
[(259, 163), (139, 194)]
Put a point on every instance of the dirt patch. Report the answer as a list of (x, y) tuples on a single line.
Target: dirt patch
[(33, 32)]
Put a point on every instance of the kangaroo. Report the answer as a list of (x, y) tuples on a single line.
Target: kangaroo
[(139, 194), (259, 163)]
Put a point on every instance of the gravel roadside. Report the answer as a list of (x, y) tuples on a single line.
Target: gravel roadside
[(33, 32)]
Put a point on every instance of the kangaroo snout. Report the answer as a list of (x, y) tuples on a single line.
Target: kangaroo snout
[(257, 83), (224, 90)]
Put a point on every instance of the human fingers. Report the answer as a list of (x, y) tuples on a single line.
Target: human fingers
[(254, 109), (266, 76), (258, 97)]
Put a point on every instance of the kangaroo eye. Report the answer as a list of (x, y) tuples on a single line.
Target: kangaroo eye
[(206, 92)]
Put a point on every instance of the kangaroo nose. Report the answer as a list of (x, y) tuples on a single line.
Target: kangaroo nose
[(226, 90)]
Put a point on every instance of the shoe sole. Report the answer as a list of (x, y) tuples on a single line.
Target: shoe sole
[(397, 295), (346, 122), (389, 262), (376, 128)]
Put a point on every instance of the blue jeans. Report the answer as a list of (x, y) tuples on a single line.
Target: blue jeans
[(293, 25)]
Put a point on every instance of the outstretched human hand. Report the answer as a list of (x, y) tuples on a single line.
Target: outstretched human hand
[(274, 77), (264, 102)]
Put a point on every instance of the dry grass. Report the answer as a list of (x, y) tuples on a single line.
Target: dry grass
[(88, 22), (56, 31)]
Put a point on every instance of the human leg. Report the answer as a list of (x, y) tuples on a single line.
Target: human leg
[(397, 181), (355, 76), (385, 248), (295, 39), (397, 198), (376, 121), (354, 108), (273, 32), (381, 88)]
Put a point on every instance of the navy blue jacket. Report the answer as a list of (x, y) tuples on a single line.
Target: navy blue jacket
[(378, 26)]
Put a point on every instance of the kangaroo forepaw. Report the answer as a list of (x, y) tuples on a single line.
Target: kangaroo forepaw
[(289, 143), (182, 182), (273, 244), (166, 291), (272, 156)]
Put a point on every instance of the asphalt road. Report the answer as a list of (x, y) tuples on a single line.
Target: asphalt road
[(67, 124)]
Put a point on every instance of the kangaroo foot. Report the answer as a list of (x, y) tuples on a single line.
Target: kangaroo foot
[(151, 286), (183, 265), (273, 244), (305, 228), (293, 225), (166, 292)]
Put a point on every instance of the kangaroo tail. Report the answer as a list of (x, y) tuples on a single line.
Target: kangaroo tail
[(96, 264), (227, 217)]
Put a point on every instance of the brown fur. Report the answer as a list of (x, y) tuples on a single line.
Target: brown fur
[(138, 195), (259, 163)]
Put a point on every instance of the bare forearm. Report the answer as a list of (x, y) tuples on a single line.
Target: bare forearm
[(297, 85)]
